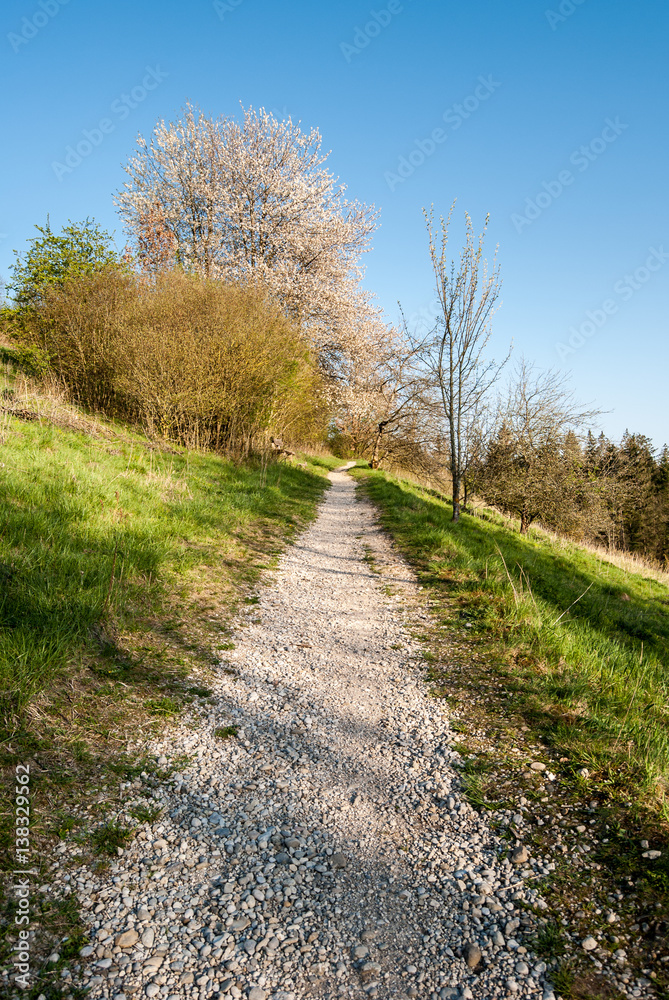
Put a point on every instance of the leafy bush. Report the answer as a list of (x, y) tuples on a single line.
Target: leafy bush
[(30, 360), (82, 248)]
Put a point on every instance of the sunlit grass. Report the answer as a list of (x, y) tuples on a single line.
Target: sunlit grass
[(586, 642), (97, 528)]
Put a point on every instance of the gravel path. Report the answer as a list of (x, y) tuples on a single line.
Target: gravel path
[(325, 849)]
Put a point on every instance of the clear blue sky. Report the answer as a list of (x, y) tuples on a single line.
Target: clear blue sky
[(516, 88)]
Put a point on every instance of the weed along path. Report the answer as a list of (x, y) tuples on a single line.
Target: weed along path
[(315, 843)]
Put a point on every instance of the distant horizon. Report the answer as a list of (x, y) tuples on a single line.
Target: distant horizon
[(549, 121)]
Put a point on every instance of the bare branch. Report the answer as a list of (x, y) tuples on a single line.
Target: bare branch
[(455, 351)]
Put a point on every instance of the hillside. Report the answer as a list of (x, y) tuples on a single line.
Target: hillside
[(541, 647), (588, 640), (121, 562), (128, 567)]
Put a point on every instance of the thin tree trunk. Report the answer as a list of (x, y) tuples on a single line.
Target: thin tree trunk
[(375, 453), (375, 461), (456, 495)]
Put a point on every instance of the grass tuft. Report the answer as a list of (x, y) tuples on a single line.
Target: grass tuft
[(108, 837), (226, 732)]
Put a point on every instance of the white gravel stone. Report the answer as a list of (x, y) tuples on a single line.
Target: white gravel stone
[(335, 816)]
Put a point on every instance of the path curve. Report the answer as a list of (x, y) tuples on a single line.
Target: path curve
[(325, 850)]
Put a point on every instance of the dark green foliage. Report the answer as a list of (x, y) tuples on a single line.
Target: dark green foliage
[(550, 941), (614, 495), (29, 360), (163, 707), (226, 732), (145, 815)]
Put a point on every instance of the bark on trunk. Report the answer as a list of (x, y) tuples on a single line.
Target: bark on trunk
[(456, 499), (374, 462)]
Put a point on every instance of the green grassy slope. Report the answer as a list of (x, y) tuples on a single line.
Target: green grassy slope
[(122, 561), (95, 528), (587, 642)]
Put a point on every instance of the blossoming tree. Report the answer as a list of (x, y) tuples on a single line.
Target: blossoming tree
[(253, 200)]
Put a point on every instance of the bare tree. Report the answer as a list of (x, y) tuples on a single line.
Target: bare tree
[(455, 350), (156, 244), (384, 397), (478, 431)]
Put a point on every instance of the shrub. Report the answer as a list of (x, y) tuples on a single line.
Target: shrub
[(202, 362), (30, 360), (81, 248)]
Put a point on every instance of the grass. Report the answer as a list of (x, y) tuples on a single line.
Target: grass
[(226, 732), (98, 533), (550, 941), (94, 531), (68, 937), (146, 814), (584, 644), (107, 838), (536, 652), (479, 786), (327, 462)]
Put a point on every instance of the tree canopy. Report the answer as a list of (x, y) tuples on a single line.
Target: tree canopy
[(253, 200)]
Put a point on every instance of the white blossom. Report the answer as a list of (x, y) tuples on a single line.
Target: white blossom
[(253, 200)]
